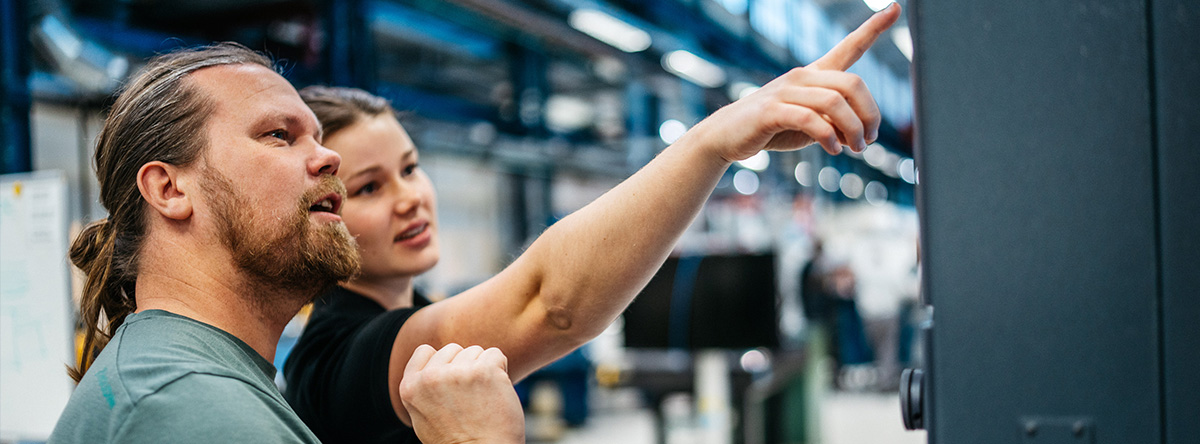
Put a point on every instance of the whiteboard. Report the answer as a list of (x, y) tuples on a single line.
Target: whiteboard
[(35, 304)]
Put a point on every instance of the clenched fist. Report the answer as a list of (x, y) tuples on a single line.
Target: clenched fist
[(457, 395)]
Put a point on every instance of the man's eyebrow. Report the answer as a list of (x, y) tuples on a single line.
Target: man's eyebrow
[(290, 120)]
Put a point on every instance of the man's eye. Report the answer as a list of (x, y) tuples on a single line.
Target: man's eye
[(279, 134)]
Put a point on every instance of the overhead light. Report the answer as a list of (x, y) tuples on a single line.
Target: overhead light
[(671, 130), (891, 163), (829, 179), (745, 182), (568, 113), (609, 69), (907, 170), (755, 361), (851, 185), (609, 29), (875, 155), (903, 40), (693, 68), (876, 193), (737, 90), (878, 5), (735, 7), (803, 173), (758, 162)]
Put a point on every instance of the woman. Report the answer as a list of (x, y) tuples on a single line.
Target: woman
[(570, 284)]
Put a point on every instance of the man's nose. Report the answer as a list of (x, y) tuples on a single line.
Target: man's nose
[(326, 161)]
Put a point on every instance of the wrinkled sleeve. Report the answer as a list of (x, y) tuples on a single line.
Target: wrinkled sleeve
[(204, 408)]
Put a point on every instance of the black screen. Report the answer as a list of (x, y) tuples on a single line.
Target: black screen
[(706, 302)]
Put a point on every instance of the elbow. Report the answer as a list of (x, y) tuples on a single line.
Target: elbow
[(570, 325), (560, 319)]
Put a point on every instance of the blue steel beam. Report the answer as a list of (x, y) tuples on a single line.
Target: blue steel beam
[(14, 99), (351, 47), (412, 25), (433, 105)]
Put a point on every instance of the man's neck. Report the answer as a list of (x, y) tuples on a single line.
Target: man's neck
[(252, 313)]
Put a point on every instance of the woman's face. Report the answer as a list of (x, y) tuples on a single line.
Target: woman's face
[(390, 207)]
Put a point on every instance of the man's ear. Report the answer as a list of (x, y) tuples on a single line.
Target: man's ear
[(160, 185)]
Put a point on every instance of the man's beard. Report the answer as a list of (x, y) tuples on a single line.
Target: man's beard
[(289, 254)]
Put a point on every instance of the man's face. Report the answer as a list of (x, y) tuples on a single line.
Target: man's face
[(268, 184)]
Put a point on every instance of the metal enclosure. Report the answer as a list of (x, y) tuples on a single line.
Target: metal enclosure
[(1060, 205), (1176, 52)]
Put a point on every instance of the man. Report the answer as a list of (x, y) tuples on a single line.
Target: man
[(223, 221)]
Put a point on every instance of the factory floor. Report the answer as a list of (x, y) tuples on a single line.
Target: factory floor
[(845, 418)]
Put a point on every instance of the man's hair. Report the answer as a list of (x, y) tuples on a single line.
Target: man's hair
[(158, 116), (338, 108)]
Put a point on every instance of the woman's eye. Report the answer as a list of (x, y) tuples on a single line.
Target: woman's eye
[(367, 189), (408, 170)]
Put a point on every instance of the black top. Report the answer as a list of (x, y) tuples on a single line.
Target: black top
[(337, 375)]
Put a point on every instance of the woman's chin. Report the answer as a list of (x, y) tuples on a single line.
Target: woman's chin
[(413, 267)]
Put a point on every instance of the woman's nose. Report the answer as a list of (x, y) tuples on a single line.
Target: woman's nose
[(409, 199)]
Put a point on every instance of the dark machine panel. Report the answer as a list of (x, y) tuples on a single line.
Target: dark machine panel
[(1176, 70), (1037, 157)]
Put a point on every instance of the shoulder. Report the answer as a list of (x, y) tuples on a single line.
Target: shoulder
[(203, 407), (152, 353)]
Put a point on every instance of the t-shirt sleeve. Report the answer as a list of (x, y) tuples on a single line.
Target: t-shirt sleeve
[(345, 386), (204, 408)]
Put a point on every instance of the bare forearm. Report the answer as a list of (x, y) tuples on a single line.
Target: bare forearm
[(576, 278), (593, 262)]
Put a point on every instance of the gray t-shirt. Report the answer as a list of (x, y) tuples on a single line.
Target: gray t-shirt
[(168, 378)]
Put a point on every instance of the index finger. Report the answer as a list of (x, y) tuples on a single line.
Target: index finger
[(419, 358), (851, 48), (493, 356)]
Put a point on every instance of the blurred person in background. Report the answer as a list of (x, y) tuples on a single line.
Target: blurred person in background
[(814, 297), (571, 282), (852, 347)]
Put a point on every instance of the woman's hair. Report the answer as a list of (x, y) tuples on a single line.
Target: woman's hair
[(158, 116), (338, 108)]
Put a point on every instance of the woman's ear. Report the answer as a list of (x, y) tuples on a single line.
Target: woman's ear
[(160, 185)]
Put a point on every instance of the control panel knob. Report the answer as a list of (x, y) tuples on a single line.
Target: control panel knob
[(912, 395)]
